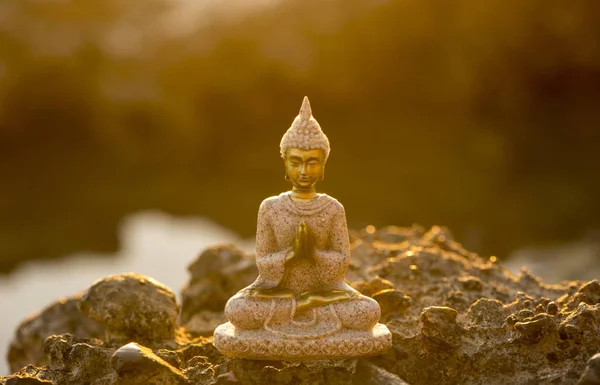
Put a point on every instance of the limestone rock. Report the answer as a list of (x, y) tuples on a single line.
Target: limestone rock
[(369, 374), (486, 312), (439, 327), (19, 380), (132, 307), (227, 379), (552, 308), (331, 372), (533, 329), (392, 302), (60, 317), (373, 286), (581, 324), (73, 360), (470, 283), (591, 375), (199, 370), (515, 330), (29, 375), (216, 275)]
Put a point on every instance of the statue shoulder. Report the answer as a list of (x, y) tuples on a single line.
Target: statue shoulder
[(269, 202), (333, 204)]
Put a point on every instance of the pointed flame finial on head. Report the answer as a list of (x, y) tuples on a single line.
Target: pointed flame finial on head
[(305, 111), (305, 133)]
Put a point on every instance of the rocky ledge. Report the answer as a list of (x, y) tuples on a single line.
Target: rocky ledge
[(456, 318)]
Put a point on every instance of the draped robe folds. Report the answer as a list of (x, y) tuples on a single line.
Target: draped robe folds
[(278, 220)]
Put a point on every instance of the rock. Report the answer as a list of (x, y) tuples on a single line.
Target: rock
[(204, 322), (330, 372), (391, 302), (511, 320), (374, 285), (227, 378), (532, 330), (588, 293), (512, 330), (136, 364), (470, 283), (369, 374), (18, 380), (591, 375), (132, 307), (169, 356), (592, 287), (584, 320), (60, 317), (439, 327), (216, 275), (486, 312), (525, 313), (28, 375), (199, 347), (78, 360), (199, 370)]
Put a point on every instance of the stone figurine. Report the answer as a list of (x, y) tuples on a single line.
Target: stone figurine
[(300, 307)]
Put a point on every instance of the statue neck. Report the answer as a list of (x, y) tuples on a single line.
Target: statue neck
[(301, 193)]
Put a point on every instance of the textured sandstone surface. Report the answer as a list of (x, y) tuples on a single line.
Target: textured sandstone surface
[(455, 317)]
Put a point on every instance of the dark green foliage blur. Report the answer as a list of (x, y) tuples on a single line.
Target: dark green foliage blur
[(480, 115)]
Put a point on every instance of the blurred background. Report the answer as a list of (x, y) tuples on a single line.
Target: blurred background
[(481, 116)]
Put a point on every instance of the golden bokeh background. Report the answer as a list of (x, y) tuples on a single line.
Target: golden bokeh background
[(479, 115)]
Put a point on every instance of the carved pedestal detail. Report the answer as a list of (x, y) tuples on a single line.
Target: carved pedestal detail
[(264, 345)]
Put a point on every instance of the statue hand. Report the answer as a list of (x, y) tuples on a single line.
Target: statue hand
[(290, 255), (296, 250), (301, 241), (304, 243)]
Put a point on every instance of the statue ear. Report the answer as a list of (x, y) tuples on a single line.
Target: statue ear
[(287, 177)]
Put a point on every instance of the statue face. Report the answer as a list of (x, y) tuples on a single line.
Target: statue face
[(304, 168)]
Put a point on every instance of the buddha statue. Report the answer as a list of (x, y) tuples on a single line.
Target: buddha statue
[(300, 307)]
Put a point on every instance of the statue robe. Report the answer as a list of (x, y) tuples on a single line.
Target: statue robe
[(278, 220)]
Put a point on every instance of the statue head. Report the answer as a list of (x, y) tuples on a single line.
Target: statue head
[(304, 149)]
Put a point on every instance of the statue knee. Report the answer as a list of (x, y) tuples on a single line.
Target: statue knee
[(360, 314), (244, 315)]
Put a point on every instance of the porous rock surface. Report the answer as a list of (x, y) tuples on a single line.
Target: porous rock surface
[(62, 316), (456, 318), (215, 276), (132, 307)]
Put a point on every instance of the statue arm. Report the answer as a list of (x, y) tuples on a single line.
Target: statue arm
[(333, 262), (270, 262)]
